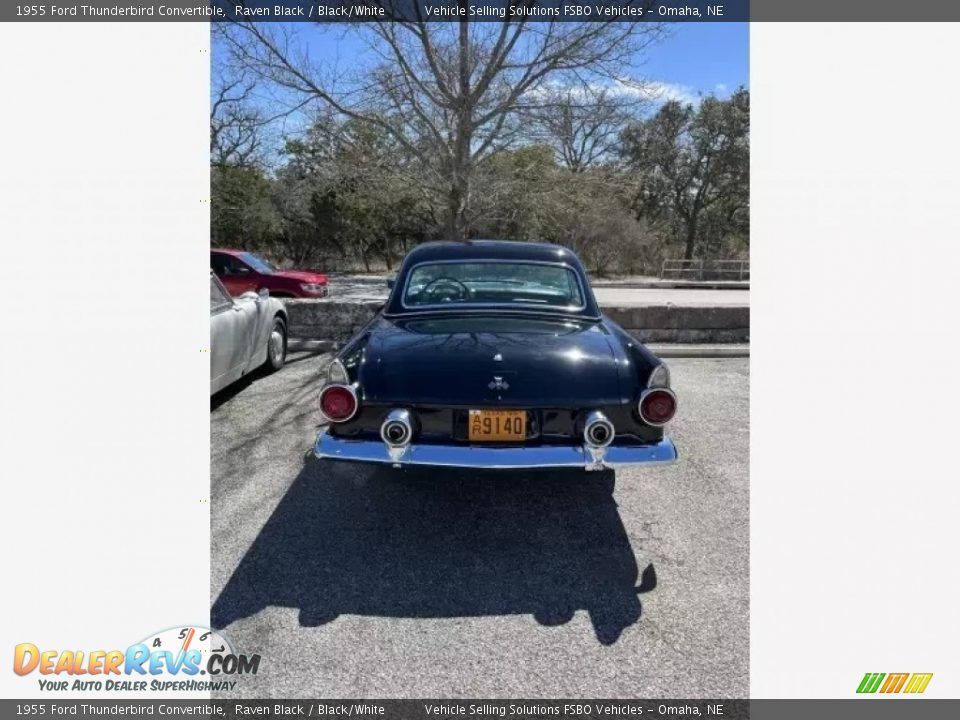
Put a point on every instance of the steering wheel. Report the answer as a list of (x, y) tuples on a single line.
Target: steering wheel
[(445, 289)]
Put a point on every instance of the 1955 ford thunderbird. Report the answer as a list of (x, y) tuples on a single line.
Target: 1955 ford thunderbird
[(494, 354)]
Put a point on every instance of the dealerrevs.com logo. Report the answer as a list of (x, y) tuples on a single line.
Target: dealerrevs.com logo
[(185, 658), (910, 683)]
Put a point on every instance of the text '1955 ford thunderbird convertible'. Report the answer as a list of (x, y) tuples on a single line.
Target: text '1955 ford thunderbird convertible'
[(494, 354)]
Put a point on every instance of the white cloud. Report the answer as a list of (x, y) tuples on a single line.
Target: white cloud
[(656, 91), (664, 92)]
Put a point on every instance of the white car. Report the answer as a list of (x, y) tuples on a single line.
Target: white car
[(246, 332)]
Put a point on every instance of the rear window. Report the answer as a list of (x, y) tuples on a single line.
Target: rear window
[(493, 283)]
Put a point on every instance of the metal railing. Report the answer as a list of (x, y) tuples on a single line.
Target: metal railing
[(701, 269)]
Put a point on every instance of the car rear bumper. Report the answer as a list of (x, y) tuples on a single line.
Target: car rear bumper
[(473, 456)]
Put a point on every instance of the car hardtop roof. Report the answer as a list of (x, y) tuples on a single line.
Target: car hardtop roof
[(228, 251), (492, 250)]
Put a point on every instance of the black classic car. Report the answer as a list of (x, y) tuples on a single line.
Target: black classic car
[(494, 354)]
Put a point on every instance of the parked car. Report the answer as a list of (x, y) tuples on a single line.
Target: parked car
[(241, 271), (246, 332), (495, 354)]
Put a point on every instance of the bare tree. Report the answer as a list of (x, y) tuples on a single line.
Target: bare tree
[(452, 94), (235, 138), (583, 124)]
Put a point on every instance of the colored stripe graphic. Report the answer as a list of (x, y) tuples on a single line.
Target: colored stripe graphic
[(186, 641), (870, 682), (903, 679), (918, 682), (894, 682)]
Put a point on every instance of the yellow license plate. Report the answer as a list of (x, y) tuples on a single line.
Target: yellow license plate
[(497, 425)]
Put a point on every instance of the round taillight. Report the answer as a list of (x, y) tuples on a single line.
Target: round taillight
[(658, 406), (338, 403)]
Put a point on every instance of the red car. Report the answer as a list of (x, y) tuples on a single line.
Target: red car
[(241, 271)]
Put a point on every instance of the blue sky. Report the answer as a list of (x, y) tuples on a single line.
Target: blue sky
[(695, 58), (701, 57)]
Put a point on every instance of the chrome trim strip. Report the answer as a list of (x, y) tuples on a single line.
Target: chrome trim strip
[(474, 456), (345, 386), (646, 392)]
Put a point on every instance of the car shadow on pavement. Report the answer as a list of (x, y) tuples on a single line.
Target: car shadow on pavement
[(234, 389), (418, 543)]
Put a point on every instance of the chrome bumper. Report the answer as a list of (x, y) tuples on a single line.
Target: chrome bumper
[(474, 456)]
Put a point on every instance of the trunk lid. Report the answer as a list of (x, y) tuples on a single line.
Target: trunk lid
[(490, 361)]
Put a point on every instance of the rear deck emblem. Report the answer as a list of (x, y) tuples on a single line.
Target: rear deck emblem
[(498, 383)]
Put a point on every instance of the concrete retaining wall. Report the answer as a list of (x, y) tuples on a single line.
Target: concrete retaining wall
[(684, 323), (335, 320), (338, 320)]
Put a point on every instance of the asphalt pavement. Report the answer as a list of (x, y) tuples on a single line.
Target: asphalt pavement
[(353, 581)]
